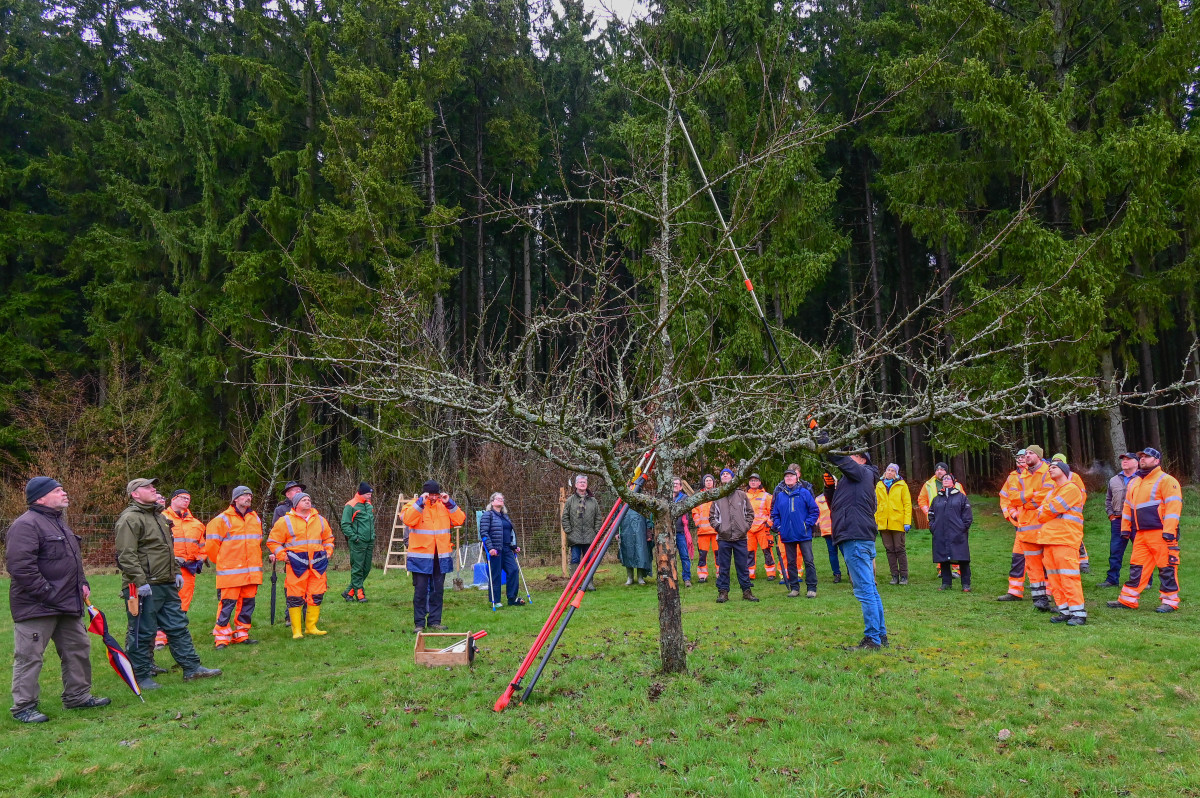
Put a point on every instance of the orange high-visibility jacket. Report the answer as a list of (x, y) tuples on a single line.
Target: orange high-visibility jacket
[(700, 518), (1035, 487), (188, 533), (429, 526), (1061, 517), (295, 535), (760, 500), (1153, 502), (1077, 481), (234, 545), (824, 521), (1012, 495)]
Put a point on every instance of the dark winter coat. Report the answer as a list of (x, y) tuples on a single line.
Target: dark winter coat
[(281, 509), (496, 531), (732, 516), (794, 512), (145, 548), (637, 541), (581, 519), (45, 565), (950, 520), (852, 501)]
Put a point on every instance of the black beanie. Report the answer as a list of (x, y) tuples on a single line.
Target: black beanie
[(181, 492), (431, 487), (364, 488), (38, 487)]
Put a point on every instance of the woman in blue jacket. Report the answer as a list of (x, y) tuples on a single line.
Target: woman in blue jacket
[(794, 513), (500, 542)]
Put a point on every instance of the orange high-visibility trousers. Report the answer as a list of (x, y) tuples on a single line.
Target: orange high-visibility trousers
[(1152, 550), (760, 539), (1062, 571), (1027, 561), (236, 606), (188, 591), (307, 588), (705, 544)]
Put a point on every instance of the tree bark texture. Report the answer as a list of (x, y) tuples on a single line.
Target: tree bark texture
[(671, 642), (1116, 432)]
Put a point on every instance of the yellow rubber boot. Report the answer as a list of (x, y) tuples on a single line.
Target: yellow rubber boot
[(294, 614), (310, 626)]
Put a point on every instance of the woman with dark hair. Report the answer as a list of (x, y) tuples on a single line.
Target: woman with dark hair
[(950, 520), (500, 542)]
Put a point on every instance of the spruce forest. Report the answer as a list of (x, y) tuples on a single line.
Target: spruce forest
[(193, 191)]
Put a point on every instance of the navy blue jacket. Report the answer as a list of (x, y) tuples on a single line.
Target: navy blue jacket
[(793, 513), (496, 531), (852, 501)]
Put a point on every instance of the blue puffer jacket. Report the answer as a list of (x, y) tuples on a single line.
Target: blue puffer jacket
[(794, 512), (496, 531)]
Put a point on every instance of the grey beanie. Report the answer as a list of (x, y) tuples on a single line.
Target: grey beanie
[(241, 490)]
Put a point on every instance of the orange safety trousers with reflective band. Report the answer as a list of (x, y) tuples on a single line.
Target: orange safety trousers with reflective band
[(759, 536), (706, 539), (1153, 505), (1061, 533), (1035, 486), (305, 545), (237, 606)]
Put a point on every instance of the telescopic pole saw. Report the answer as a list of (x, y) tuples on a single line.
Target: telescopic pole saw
[(573, 585)]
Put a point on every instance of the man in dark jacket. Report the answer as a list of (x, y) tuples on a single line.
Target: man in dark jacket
[(732, 518), (284, 507), (46, 598), (581, 521), (146, 557), (852, 506)]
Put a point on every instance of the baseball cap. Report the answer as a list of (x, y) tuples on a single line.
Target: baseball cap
[(1149, 452), (1128, 456), (140, 482)]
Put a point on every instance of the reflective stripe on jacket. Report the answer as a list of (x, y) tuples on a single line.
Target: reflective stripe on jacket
[(1012, 495), (187, 532), (1152, 502), (823, 520), (1060, 516), (234, 546), (1035, 487), (700, 518), (760, 500), (893, 510), (429, 534), (303, 541)]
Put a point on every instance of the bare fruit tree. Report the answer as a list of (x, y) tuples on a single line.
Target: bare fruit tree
[(642, 357)]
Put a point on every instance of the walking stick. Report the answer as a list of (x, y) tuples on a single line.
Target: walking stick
[(521, 573), (274, 588)]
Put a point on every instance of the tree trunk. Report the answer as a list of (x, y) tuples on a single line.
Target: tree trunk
[(889, 446), (1146, 366), (1075, 454), (439, 303), (672, 645), (527, 307), (479, 239), (1193, 408), (1116, 432)]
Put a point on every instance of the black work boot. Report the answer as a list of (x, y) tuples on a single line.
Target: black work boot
[(747, 595), (866, 644), (1009, 597), (1042, 604), (1077, 621)]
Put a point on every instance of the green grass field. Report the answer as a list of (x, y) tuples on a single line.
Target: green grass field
[(773, 704)]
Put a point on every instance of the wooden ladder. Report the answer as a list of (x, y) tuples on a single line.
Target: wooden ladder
[(396, 546)]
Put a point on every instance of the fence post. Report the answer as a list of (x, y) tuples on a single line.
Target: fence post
[(562, 502)]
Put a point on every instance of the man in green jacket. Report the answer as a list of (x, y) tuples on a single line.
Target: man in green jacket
[(146, 557), (358, 525), (581, 521)]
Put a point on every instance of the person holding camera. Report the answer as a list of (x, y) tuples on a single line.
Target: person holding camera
[(430, 518)]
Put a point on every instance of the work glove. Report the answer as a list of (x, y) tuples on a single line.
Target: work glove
[(829, 483), (907, 527), (144, 591), (492, 552), (516, 550), (178, 581)]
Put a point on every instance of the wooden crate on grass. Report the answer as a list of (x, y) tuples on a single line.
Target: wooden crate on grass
[(428, 650)]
